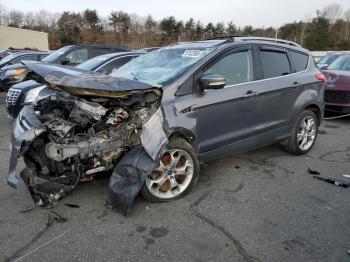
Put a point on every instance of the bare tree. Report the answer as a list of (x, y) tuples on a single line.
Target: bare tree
[(29, 20), (3, 15), (332, 12), (304, 23), (15, 18), (347, 24)]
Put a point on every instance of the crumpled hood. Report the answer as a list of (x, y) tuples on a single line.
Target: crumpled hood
[(83, 82)]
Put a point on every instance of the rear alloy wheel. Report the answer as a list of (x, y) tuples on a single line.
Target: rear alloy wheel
[(307, 133), (304, 134), (177, 172)]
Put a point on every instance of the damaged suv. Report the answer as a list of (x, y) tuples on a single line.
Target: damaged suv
[(154, 120)]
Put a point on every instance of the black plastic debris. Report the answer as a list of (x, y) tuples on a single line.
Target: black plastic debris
[(54, 217), (127, 179), (313, 172), (337, 182), (72, 205)]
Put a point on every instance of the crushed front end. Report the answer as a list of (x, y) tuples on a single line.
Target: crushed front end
[(65, 138)]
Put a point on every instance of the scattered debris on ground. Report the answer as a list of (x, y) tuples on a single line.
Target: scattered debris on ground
[(334, 181), (72, 205), (54, 217), (313, 172)]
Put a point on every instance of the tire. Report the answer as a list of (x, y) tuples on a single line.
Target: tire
[(293, 145), (168, 175)]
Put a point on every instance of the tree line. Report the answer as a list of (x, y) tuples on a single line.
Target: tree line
[(328, 29)]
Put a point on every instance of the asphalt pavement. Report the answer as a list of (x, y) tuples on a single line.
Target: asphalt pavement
[(257, 206)]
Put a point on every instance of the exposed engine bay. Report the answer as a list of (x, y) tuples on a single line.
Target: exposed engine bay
[(84, 136)]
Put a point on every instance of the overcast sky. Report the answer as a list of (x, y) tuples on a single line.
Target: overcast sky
[(243, 12)]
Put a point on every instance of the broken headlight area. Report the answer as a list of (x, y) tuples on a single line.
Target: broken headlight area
[(82, 136)]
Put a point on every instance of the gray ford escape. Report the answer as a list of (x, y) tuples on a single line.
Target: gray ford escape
[(154, 120)]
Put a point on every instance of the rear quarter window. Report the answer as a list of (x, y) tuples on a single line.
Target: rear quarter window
[(274, 63), (299, 60)]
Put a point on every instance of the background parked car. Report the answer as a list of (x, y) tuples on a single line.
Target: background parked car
[(106, 63), (15, 58), (75, 54), (101, 64), (11, 68), (69, 55), (11, 50), (328, 59), (337, 92)]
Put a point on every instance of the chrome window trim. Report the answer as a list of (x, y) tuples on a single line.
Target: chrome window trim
[(266, 79)]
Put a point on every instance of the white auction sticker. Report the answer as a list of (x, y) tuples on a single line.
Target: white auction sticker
[(192, 53)]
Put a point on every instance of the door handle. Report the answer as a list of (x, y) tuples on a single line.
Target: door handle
[(251, 93), (296, 84)]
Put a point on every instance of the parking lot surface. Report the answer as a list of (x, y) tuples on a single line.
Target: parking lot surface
[(257, 206)]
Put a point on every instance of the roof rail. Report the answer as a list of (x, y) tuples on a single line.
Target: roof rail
[(232, 38), (267, 39)]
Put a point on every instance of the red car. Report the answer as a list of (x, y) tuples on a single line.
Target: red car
[(337, 93)]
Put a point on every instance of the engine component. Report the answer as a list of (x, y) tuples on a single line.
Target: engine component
[(117, 116), (83, 149), (95, 110), (61, 127)]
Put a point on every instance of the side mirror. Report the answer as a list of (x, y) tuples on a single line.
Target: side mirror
[(323, 68), (212, 81), (65, 60)]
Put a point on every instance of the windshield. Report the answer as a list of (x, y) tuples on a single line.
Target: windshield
[(327, 59), (8, 58), (92, 63), (53, 57), (162, 66), (341, 63)]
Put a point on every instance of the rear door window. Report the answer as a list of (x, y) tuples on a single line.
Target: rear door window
[(42, 57), (274, 63), (236, 68), (299, 60), (78, 56)]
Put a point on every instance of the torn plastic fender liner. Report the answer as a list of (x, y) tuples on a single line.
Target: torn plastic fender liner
[(27, 128), (128, 177), (153, 137)]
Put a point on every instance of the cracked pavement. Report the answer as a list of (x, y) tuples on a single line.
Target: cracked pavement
[(257, 206)]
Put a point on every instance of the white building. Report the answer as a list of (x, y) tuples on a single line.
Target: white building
[(22, 38)]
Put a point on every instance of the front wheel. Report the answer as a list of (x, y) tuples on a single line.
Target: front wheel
[(176, 174), (304, 134)]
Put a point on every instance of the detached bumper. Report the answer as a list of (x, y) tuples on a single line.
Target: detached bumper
[(27, 127)]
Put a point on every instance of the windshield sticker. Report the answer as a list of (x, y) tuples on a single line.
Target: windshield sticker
[(192, 53)]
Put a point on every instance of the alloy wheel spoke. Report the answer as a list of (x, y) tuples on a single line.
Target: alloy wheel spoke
[(182, 169), (175, 159), (310, 124), (173, 183), (159, 181), (300, 137)]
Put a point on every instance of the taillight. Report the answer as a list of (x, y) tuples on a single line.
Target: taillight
[(321, 77)]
